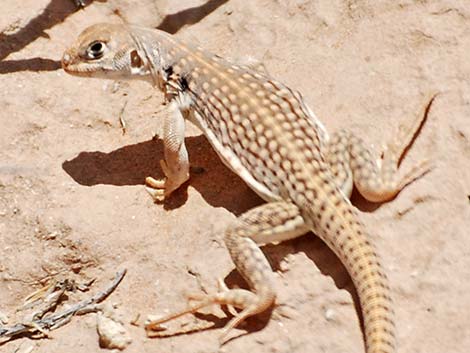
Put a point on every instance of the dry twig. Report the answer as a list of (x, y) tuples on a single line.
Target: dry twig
[(57, 320)]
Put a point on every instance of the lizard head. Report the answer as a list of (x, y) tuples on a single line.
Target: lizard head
[(106, 50)]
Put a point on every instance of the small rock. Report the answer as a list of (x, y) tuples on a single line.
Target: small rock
[(112, 334), (330, 314)]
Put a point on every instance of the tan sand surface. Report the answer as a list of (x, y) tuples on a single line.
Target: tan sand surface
[(72, 201)]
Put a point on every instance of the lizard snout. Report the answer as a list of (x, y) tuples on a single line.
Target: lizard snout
[(66, 60)]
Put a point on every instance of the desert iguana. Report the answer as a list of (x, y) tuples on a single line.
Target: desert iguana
[(264, 132)]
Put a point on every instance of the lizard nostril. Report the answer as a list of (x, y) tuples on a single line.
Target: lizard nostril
[(66, 59)]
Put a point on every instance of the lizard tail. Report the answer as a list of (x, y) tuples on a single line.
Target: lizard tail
[(346, 236)]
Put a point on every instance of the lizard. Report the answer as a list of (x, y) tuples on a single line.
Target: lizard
[(264, 132)]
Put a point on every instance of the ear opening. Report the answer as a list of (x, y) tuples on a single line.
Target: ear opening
[(136, 60)]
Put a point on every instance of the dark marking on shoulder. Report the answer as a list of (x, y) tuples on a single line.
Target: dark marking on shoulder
[(168, 71), (183, 82)]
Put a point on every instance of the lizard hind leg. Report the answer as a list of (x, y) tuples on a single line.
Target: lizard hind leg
[(395, 151), (351, 161), (272, 222)]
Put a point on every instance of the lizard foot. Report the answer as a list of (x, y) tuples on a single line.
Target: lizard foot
[(249, 303), (160, 189)]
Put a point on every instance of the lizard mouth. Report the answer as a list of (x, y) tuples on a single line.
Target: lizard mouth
[(77, 68), (67, 63), (69, 66)]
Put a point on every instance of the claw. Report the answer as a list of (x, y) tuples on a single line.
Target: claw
[(155, 183), (156, 194), (152, 328), (156, 188), (223, 288), (156, 324), (160, 189), (416, 172), (407, 133)]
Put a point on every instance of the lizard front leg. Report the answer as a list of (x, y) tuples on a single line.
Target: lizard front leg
[(175, 166), (272, 222)]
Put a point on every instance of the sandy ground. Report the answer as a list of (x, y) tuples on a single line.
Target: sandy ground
[(73, 205)]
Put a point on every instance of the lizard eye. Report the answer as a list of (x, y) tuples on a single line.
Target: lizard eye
[(95, 50)]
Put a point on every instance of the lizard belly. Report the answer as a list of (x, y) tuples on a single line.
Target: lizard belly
[(231, 160)]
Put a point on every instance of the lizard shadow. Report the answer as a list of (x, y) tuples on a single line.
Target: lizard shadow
[(251, 324), (362, 204), (321, 256), (220, 187), (316, 250), (130, 165), (174, 22)]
